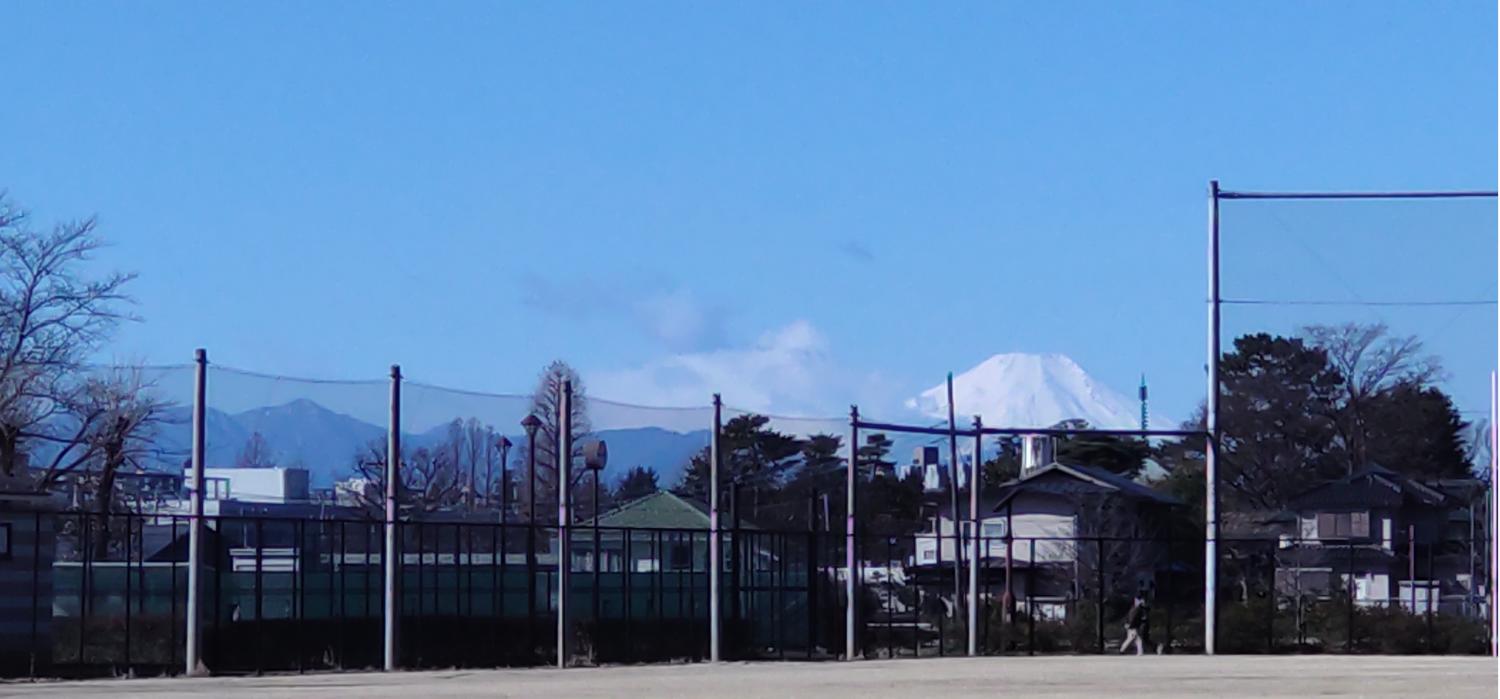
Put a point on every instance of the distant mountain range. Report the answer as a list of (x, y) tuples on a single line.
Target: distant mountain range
[(1012, 390), (304, 434)]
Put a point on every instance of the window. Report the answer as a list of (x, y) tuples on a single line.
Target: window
[(216, 489), (4, 541), (1343, 525), (681, 557), (1359, 524), (993, 530)]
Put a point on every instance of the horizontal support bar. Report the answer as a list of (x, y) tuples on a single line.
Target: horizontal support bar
[(1471, 194), (1014, 431)]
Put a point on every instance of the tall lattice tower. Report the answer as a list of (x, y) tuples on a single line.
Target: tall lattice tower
[(1145, 418)]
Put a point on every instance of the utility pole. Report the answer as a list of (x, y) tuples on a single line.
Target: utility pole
[(1211, 420), (564, 526), (715, 552), (851, 589), (974, 534), (195, 520), (958, 519), (392, 559)]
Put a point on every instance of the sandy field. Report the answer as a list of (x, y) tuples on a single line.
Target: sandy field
[(1150, 676)]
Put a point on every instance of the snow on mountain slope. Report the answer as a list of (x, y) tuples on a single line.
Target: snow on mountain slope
[(1031, 390)]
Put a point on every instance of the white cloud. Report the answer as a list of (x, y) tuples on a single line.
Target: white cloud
[(787, 371), (680, 321)]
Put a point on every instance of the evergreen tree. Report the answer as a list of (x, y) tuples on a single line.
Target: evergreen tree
[(637, 483)]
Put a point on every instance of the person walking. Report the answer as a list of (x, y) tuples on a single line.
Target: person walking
[(1135, 626)]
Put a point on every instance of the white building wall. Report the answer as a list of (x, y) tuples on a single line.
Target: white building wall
[(1047, 521)]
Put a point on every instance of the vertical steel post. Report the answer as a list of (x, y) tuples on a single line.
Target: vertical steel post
[(1493, 516), (1211, 427), (195, 519), (851, 589), (958, 537), (1411, 563), (597, 557), (564, 529), (974, 516), (715, 555), (1099, 609), (392, 558)]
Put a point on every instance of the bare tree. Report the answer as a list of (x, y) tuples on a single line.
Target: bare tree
[(113, 420), (1372, 361), (109, 422), (256, 454), (430, 478), (544, 404), (473, 448), (52, 316)]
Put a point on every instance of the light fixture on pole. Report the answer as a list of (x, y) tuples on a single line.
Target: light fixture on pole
[(595, 456), (530, 423)]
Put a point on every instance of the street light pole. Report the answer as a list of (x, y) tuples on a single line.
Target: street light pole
[(531, 424)]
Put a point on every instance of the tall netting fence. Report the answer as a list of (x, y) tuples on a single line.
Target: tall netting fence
[(782, 527), (1358, 341), (1028, 539)]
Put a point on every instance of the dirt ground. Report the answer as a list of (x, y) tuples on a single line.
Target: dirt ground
[(1151, 676)]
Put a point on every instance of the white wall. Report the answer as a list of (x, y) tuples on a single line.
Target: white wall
[(259, 484), (1033, 516)]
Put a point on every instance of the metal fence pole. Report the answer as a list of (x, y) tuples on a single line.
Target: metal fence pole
[(812, 573), (851, 589), (715, 555), (392, 559), (260, 591), (195, 520), (127, 588), (1492, 517), (1411, 563), (36, 570), (564, 530), (1030, 605), (974, 536), (958, 538), (1099, 622), (1211, 424), (1349, 593)]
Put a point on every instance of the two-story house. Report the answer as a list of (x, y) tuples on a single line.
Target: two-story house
[(1042, 530), (1384, 539)]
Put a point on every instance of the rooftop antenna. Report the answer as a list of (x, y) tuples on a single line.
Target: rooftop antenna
[(1145, 421)]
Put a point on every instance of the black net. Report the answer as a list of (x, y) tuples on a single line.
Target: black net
[(1358, 344)]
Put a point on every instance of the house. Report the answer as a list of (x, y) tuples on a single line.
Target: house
[(1387, 539), (1042, 529), (663, 531)]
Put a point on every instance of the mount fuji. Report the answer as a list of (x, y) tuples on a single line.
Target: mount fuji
[(1032, 390)]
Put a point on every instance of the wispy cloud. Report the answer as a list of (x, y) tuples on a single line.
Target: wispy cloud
[(787, 371), (857, 251), (674, 317)]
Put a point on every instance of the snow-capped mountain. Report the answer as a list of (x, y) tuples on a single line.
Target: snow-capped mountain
[(1032, 390)]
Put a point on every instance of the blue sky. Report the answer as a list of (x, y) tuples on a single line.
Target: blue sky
[(799, 205)]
